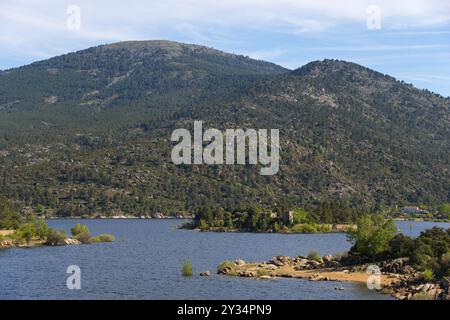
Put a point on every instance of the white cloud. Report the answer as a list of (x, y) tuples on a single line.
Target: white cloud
[(27, 26)]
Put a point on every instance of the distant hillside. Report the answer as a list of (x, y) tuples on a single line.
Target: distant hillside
[(89, 132)]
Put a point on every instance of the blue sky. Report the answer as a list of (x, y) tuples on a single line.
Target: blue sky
[(409, 40)]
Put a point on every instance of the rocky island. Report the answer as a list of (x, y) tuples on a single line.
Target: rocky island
[(325, 217)]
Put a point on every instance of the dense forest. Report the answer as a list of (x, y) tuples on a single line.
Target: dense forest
[(88, 133)]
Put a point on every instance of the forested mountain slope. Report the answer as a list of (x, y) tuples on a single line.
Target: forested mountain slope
[(89, 132)]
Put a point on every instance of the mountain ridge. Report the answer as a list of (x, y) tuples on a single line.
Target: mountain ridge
[(89, 132)]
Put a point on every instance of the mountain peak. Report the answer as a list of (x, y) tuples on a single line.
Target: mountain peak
[(169, 46), (330, 66)]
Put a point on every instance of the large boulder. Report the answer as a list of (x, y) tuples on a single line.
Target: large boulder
[(276, 262)]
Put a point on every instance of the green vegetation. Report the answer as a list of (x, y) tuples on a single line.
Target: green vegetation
[(428, 275), (9, 218), (317, 218), (444, 210), (430, 252), (104, 237), (227, 265), (314, 255), (33, 229), (87, 133), (79, 229), (83, 234), (55, 237), (372, 235), (377, 239), (187, 269)]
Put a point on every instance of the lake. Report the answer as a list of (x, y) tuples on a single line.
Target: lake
[(145, 261)]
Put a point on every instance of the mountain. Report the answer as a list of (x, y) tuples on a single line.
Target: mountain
[(89, 132)]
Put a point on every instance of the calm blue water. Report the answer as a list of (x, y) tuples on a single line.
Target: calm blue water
[(145, 260)]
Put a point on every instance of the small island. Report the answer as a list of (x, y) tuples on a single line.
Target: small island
[(408, 269), (324, 217), (17, 231)]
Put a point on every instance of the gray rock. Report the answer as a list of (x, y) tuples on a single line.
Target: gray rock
[(239, 262), (270, 267), (276, 262)]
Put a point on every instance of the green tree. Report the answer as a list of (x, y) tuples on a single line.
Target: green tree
[(79, 229), (41, 229), (444, 209), (27, 231), (9, 218), (55, 237), (228, 220), (300, 216), (202, 225), (373, 235)]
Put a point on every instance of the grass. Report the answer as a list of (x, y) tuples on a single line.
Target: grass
[(228, 264), (187, 269), (104, 237), (428, 275)]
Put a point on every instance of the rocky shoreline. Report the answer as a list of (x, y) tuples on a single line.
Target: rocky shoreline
[(8, 243), (396, 277)]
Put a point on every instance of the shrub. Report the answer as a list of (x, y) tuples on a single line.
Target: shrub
[(55, 237), (41, 229), (84, 237), (187, 269), (314, 255), (226, 264), (78, 229), (26, 232), (103, 238), (304, 228), (202, 225), (428, 275)]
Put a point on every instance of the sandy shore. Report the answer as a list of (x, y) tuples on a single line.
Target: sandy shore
[(323, 274)]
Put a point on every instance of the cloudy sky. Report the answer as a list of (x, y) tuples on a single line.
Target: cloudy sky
[(408, 39)]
